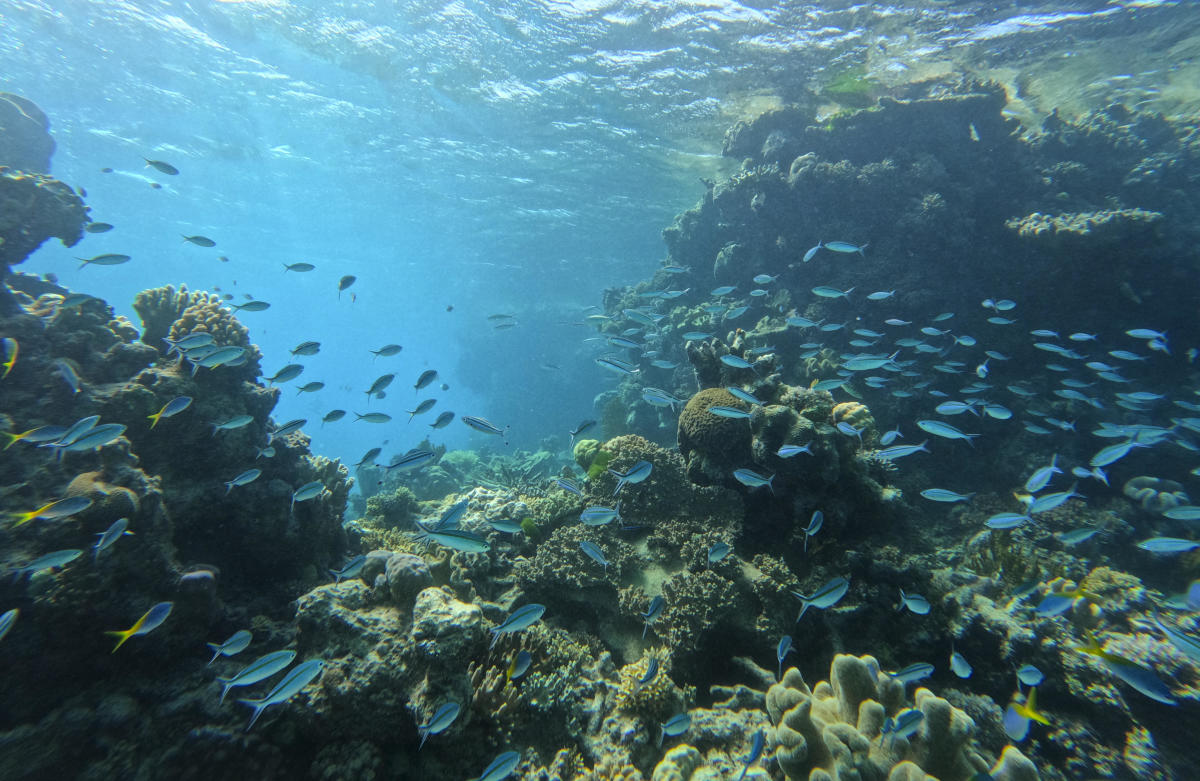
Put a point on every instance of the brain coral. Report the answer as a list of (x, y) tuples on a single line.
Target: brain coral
[(713, 446)]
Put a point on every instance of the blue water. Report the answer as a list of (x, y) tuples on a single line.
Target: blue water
[(513, 157)]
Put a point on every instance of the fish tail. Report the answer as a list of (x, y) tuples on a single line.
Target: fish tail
[(155, 418), (125, 635), (803, 609), (259, 706), (12, 439)]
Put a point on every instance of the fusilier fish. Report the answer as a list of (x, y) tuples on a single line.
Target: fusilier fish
[(236, 643), (521, 618)]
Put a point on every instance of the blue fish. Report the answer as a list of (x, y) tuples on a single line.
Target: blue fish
[(900, 451), (594, 552), (598, 516), (781, 651), (944, 495), (635, 474), (236, 643), (299, 677), (826, 596), (756, 750), (737, 362), (651, 671), (787, 451), (521, 618), (717, 552), (439, 722), (752, 479), (944, 430), (914, 672), (652, 613), (814, 526), (674, 727), (351, 570), (568, 485)]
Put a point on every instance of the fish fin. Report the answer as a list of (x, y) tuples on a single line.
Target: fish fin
[(125, 635)]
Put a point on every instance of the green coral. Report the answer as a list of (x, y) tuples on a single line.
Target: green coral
[(394, 509), (599, 464), (530, 528), (585, 450)]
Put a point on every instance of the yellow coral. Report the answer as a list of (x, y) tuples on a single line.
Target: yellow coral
[(655, 699)]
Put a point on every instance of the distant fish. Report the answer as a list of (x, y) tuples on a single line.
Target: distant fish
[(900, 451), (812, 251), (787, 451), (200, 241), (236, 422), (443, 420), (387, 351), (845, 247), (236, 643), (310, 387), (162, 167), (307, 348), (373, 417), (300, 267), (333, 416), (69, 375), (345, 282), (152, 619)]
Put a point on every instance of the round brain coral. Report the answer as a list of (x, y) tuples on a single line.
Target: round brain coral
[(713, 445)]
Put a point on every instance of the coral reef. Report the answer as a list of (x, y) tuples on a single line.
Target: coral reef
[(834, 729)]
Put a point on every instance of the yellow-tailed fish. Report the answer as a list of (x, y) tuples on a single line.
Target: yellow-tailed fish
[(149, 621), (11, 348)]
